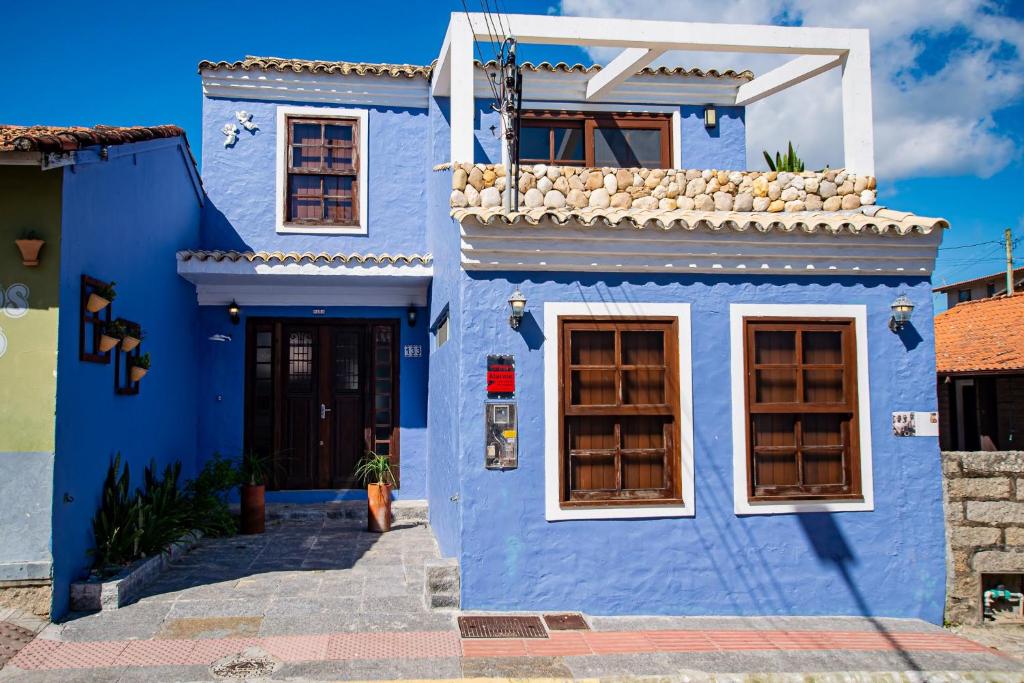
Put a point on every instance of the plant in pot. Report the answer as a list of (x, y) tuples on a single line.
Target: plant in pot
[(375, 471), (111, 333), (138, 366), (101, 297), (29, 244), (252, 475), (133, 336)]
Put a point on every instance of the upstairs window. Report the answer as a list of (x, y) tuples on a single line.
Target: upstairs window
[(322, 186), (963, 296), (801, 405), (596, 139)]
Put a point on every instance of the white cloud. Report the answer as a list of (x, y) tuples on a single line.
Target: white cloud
[(940, 70)]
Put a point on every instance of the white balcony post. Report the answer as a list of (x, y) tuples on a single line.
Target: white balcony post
[(463, 102), (858, 128)]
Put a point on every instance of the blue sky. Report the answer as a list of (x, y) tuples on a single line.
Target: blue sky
[(949, 82)]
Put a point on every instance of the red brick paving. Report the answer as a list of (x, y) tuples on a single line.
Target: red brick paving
[(50, 654)]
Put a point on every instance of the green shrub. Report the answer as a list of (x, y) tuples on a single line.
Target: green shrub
[(116, 525), (208, 497), (165, 511), (790, 163)]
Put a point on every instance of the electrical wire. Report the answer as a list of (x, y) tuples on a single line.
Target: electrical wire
[(480, 55)]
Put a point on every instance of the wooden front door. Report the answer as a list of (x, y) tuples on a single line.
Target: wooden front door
[(320, 394)]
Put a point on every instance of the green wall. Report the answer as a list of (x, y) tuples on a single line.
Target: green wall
[(30, 199)]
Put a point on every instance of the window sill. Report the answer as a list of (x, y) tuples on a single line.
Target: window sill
[(301, 229), (590, 504), (776, 506), (649, 509)]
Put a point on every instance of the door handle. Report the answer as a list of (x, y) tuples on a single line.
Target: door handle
[(323, 411)]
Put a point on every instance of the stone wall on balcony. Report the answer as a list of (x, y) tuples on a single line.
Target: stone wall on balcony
[(984, 501), (572, 187)]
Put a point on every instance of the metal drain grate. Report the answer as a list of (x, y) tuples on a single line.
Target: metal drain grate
[(502, 627), (566, 622), (12, 639)]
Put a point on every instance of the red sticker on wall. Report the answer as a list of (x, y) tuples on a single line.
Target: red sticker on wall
[(501, 376)]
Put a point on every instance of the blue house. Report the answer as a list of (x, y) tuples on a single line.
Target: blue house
[(626, 375)]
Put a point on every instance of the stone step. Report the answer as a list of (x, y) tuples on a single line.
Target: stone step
[(403, 512), (441, 584)]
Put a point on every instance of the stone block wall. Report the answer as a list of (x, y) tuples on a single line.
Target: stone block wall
[(573, 187), (984, 496)]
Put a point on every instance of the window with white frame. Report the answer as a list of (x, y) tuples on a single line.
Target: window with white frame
[(801, 420), (321, 170), (618, 425)]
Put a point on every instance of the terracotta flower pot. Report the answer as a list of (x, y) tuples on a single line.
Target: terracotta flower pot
[(253, 509), (29, 251), (136, 373), (129, 342), (96, 303), (107, 342), (379, 500)]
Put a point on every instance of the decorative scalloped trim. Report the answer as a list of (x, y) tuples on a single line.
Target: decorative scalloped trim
[(307, 257), (808, 222)]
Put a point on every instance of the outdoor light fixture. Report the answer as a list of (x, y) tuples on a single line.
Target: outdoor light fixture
[(234, 311), (411, 315), (902, 307), (518, 304), (710, 116)]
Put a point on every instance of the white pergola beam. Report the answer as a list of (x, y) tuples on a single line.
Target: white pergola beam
[(848, 48), (785, 76), (627, 63)]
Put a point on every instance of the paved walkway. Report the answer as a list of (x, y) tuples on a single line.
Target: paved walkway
[(318, 599)]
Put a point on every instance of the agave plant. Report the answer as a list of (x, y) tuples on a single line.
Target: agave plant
[(116, 526), (790, 163), (164, 509)]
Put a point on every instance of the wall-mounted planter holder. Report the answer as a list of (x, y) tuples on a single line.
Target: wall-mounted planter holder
[(95, 313), (126, 380), (29, 249)]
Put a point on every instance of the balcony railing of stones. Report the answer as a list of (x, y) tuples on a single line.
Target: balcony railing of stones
[(573, 187)]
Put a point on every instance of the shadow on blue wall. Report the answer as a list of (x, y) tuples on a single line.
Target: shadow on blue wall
[(910, 337), (218, 232), (531, 331), (830, 547)]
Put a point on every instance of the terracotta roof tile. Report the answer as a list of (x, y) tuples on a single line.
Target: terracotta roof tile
[(72, 138), (981, 336), (873, 219), (305, 257), (253, 63)]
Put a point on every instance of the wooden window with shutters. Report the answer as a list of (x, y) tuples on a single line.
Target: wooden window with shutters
[(322, 187), (801, 404), (619, 411)]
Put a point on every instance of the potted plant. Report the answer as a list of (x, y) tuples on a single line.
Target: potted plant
[(132, 338), (111, 333), (101, 297), (375, 471), (138, 366), (253, 476), (29, 245)]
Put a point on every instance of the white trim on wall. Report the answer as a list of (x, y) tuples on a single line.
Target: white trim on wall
[(552, 311), (282, 176), (737, 312)]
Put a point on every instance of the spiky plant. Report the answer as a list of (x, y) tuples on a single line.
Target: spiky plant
[(790, 163)]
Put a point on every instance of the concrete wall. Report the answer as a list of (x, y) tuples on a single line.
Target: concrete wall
[(985, 524), (220, 403), (30, 199), (886, 562), (240, 181), (123, 220)]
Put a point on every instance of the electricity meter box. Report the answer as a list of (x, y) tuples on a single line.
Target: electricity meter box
[(502, 436)]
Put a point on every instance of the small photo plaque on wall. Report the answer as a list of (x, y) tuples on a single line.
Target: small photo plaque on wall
[(910, 423)]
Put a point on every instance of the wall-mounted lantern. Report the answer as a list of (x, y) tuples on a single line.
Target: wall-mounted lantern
[(517, 302), (410, 315), (902, 307), (710, 116), (234, 312)]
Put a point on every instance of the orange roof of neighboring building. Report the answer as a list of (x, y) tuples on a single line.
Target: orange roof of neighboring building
[(72, 138), (981, 336)]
